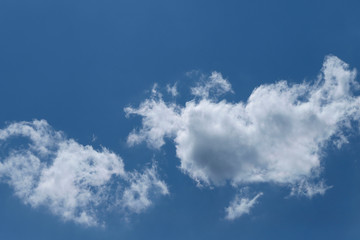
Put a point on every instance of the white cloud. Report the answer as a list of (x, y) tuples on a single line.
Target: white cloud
[(240, 206), (304, 188), (215, 85), (172, 90), (74, 181), (136, 197), (162, 121), (279, 135)]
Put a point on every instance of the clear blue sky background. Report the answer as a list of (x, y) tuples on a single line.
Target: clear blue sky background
[(77, 64)]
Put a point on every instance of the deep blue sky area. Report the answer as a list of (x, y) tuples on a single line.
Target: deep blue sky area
[(78, 64)]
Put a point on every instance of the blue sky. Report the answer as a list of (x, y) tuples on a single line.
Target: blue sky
[(94, 146)]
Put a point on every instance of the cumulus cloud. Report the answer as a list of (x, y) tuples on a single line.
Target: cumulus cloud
[(73, 181), (278, 135), (240, 206)]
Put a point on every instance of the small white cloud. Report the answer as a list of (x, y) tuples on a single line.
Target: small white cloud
[(163, 120), (305, 188), (136, 196), (240, 206), (215, 85), (72, 180), (93, 138), (172, 89)]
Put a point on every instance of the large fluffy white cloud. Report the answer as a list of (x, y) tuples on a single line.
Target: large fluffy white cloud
[(278, 135), (73, 181)]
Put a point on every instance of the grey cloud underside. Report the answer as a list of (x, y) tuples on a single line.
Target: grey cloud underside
[(73, 181), (279, 135)]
